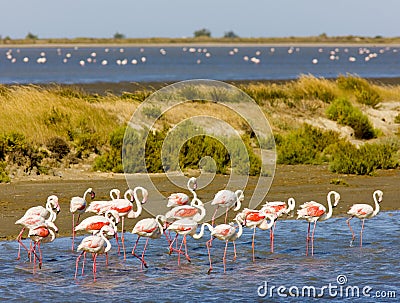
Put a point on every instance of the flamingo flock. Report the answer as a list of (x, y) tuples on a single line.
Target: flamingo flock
[(183, 218)]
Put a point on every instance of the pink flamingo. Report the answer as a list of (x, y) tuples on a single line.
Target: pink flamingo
[(256, 218), (195, 211), (43, 233), (227, 198), (95, 245), (95, 223), (151, 228), (96, 206), (37, 215), (278, 208), (124, 207), (183, 227), (227, 233), (364, 211), (78, 205), (179, 199), (313, 212)]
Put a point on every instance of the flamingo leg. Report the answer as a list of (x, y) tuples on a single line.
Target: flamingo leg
[(226, 215), (252, 243), (213, 217), (234, 251), (224, 258), (144, 251), (186, 249), (19, 239), (180, 251), (272, 235), (361, 232), (73, 231), (172, 243), (312, 239), (123, 239), (83, 263), (94, 267), (209, 256), (77, 262), (116, 240), (353, 236), (308, 238), (40, 255)]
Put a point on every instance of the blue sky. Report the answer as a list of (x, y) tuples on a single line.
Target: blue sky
[(180, 18)]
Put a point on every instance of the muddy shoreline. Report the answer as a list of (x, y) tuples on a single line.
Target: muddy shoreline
[(302, 182)]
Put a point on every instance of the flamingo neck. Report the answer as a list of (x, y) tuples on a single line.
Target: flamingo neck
[(330, 208), (240, 231), (201, 233), (86, 192), (377, 207), (201, 215), (239, 194), (108, 244), (135, 214)]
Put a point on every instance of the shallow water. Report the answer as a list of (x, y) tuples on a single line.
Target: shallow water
[(375, 266)]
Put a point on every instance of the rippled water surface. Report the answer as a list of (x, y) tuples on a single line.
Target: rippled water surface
[(173, 63), (376, 266)]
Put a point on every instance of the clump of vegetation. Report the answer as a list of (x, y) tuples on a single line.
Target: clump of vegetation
[(58, 147), (342, 111), (363, 91), (4, 177), (397, 119), (348, 159), (305, 145), (311, 88), (152, 111)]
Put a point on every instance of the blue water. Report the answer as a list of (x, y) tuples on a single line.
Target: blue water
[(374, 268), (88, 64)]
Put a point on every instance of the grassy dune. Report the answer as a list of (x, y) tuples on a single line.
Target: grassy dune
[(34, 119)]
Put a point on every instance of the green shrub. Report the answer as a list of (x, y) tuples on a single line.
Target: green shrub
[(152, 111), (304, 146), (111, 160), (342, 111), (348, 159), (4, 177)]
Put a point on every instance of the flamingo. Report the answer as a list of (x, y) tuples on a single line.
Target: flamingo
[(95, 245), (195, 211), (278, 208), (183, 227), (179, 199), (313, 212), (124, 207), (96, 206), (227, 198), (256, 218), (78, 205), (151, 228), (42, 233), (364, 211), (227, 233), (37, 215)]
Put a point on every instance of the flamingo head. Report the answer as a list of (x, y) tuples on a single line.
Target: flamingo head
[(145, 194), (53, 200), (337, 198), (380, 195), (92, 194), (193, 180)]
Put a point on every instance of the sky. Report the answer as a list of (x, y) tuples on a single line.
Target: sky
[(180, 18)]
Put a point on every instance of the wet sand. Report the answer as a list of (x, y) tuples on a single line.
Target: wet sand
[(302, 182)]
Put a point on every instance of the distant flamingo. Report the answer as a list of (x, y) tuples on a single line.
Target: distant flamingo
[(37, 215), (124, 207), (183, 227), (95, 245), (96, 206), (364, 211), (227, 199), (42, 233), (278, 208), (313, 212), (179, 199), (227, 233), (256, 218), (78, 205), (151, 228)]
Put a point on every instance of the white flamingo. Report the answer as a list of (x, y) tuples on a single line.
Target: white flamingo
[(364, 211), (78, 205)]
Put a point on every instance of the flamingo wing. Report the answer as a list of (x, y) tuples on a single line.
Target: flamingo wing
[(360, 210)]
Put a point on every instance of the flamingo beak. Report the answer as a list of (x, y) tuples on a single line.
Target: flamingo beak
[(92, 195)]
